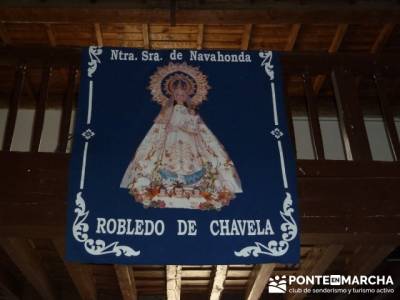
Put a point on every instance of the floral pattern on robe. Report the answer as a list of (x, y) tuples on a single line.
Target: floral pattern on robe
[(181, 164)]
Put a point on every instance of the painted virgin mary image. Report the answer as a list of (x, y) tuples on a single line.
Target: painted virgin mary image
[(180, 163)]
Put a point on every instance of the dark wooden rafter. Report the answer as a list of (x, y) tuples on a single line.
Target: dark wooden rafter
[(319, 265), (13, 106), (338, 38), (172, 16), (53, 42), (66, 110), (50, 35), (98, 34), (292, 38), (312, 111), (25, 258), (3, 35), (382, 38), (200, 36), (387, 115), (351, 120), (218, 282), (306, 264), (257, 281), (126, 281), (146, 39), (363, 260), (246, 36), (40, 109), (333, 48), (372, 254), (30, 89), (379, 43), (174, 282), (80, 274), (221, 12)]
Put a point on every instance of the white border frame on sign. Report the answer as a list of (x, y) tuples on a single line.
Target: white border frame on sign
[(80, 228), (274, 248), (288, 227)]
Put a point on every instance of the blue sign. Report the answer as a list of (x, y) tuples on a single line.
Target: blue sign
[(181, 157)]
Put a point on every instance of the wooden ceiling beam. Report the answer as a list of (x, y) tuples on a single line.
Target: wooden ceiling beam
[(50, 35), (126, 281), (3, 35), (275, 12), (80, 274), (338, 38), (146, 39), (218, 282), (318, 265), (98, 34), (333, 48), (246, 37), (53, 43), (174, 282), (27, 261), (172, 12), (366, 258), (200, 36), (32, 93), (294, 33), (257, 281), (379, 44), (382, 38)]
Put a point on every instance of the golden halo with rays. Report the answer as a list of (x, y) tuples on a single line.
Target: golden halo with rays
[(190, 78)]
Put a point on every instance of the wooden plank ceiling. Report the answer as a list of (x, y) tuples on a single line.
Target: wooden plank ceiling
[(223, 25), (313, 38), (282, 37), (58, 279)]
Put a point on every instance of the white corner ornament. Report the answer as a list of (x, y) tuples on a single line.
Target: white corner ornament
[(276, 248), (267, 64), (95, 247), (94, 53)]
